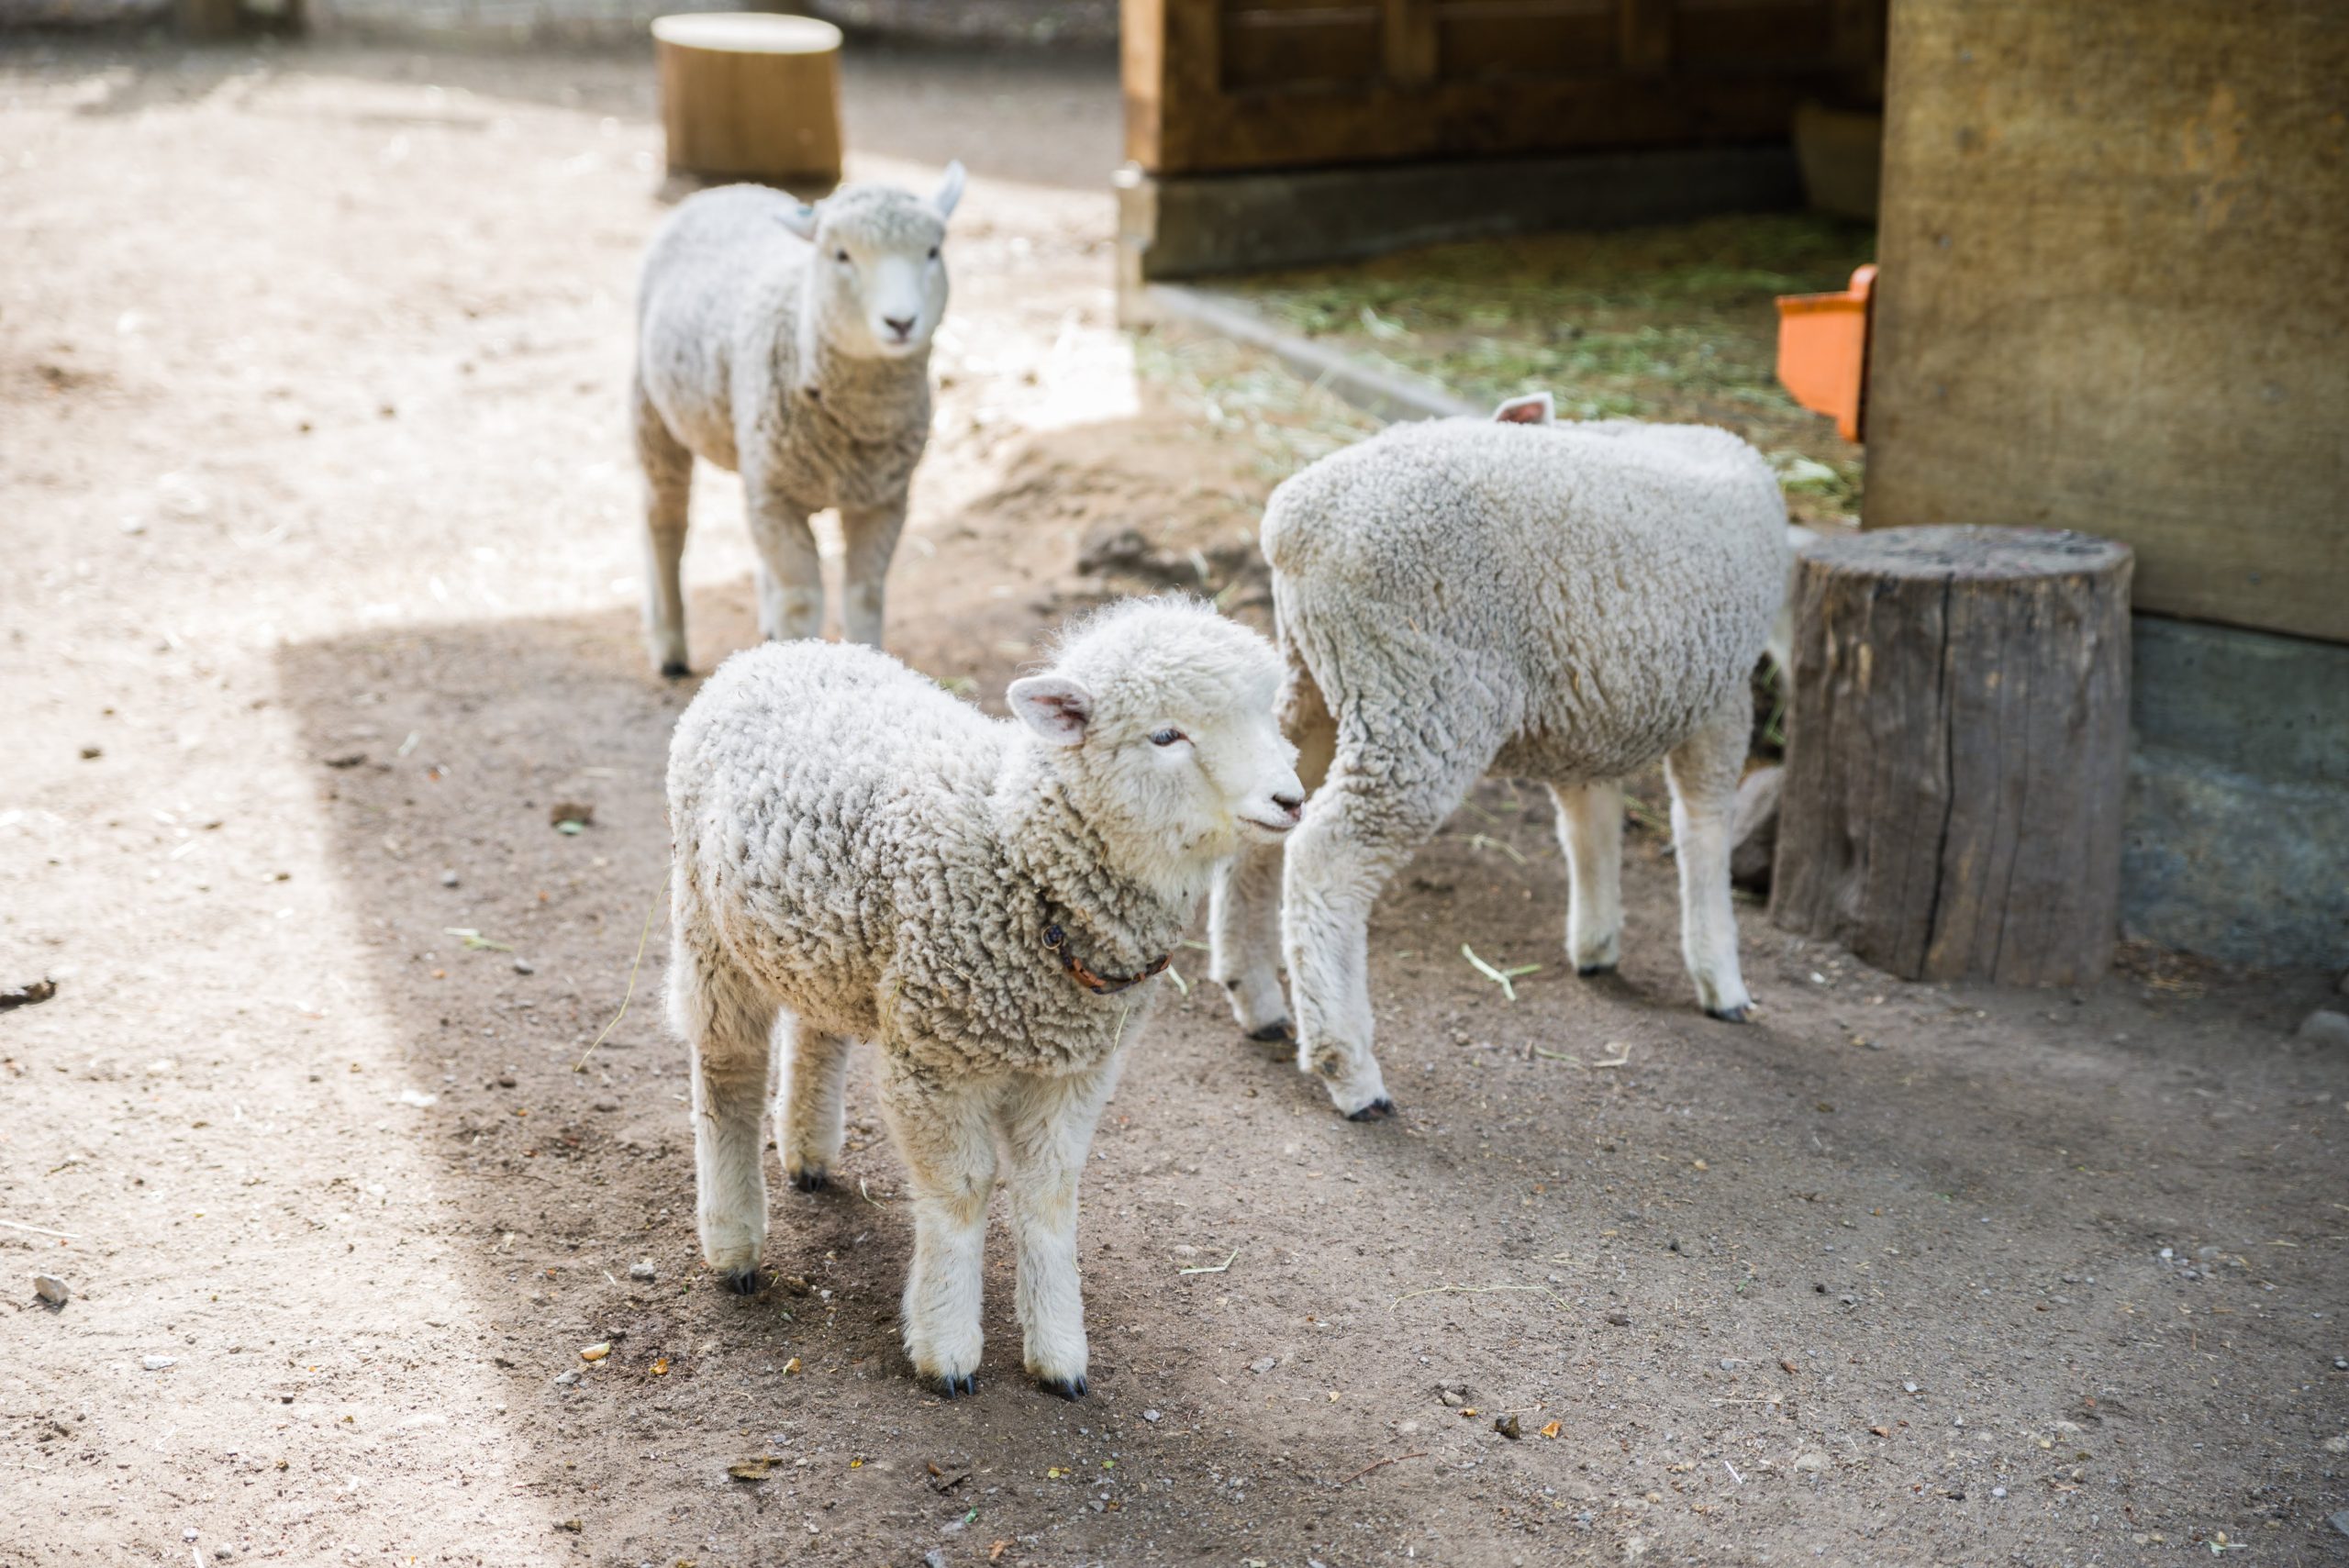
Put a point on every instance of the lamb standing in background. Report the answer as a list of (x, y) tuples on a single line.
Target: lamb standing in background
[(791, 344), (863, 856), (1463, 596)]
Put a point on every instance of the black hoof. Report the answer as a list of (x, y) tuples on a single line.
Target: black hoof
[(1587, 970), (1378, 1109), (953, 1387), (744, 1282), (812, 1181), (1729, 1014), (1275, 1034), (675, 670), (1062, 1388)]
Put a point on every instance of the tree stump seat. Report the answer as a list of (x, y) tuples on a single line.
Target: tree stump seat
[(746, 95), (1957, 746)]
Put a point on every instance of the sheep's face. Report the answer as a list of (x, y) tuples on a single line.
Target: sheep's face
[(1166, 712), (877, 279)]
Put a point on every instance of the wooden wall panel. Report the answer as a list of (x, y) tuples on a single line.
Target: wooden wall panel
[(1233, 86), (1482, 39), (2114, 291)]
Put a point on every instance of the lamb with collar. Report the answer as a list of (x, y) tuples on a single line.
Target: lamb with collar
[(860, 855), (791, 344)]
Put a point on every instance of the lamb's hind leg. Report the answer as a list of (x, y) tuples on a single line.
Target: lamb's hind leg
[(1703, 773), (1590, 829), (727, 1025), (946, 1134), (809, 1110), (1244, 917), (668, 467), (1373, 813)]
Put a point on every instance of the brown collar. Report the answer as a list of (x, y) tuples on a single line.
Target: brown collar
[(1056, 940)]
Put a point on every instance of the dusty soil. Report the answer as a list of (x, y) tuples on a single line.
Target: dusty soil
[(318, 597)]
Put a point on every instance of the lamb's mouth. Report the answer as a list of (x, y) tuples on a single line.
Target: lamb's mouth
[(1268, 827)]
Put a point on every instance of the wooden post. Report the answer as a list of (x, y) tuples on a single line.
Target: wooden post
[(1957, 752), (749, 95), (209, 20)]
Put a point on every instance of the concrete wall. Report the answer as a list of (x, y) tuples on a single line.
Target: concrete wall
[(2237, 840)]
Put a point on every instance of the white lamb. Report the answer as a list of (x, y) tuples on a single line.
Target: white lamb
[(860, 855), (1567, 602), (791, 344)]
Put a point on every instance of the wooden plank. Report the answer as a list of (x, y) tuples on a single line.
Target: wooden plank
[(1142, 70), (1287, 49), (1411, 41), (1482, 40), (2114, 292), (1459, 119), (1753, 35), (1643, 33)]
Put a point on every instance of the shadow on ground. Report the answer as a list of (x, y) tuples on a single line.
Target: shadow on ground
[(1879, 1271)]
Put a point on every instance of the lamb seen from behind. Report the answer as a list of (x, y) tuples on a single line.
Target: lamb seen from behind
[(1563, 602), (861, 856), (791, 344)]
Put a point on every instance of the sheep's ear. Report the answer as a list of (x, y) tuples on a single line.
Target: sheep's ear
[(949, 190), (1537, 409), (1053, 707), (800, 220)]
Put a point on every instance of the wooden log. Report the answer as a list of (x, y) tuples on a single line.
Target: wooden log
[(1957, 752), (748, 95)]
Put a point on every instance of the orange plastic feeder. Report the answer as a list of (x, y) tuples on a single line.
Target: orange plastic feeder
[(1823, 350)]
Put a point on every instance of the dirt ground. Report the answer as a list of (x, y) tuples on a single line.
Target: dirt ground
[(319, 595)]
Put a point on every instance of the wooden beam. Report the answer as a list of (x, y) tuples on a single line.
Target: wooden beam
[(1411, 41), (1645, 36)]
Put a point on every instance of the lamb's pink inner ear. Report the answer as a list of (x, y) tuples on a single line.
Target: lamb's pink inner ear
[(1053, 707), (1524, 411)]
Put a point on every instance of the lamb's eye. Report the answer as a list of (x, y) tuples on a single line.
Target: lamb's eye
[(1167, 737), (842, 257), (934, 253)]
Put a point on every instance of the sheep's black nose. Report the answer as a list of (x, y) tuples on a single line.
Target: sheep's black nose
[(1292, 804), (903, 325)]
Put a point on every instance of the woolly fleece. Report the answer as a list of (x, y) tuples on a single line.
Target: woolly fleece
[(1567, 602)]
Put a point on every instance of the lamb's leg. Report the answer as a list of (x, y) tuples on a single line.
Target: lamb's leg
[(1373, 813), (1703, 773), (1591, 828), (809, 1109), (668, 467), (869, 536), (728, 1026), (1048, 1123), (946, 1134), (1244, 917), (791, 576)]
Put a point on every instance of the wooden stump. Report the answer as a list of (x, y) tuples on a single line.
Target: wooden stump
[(1957, 752), (746, 95)]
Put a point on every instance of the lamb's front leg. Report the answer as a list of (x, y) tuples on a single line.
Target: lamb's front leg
[(791, 574), (869, 536), (944, 1132), (1377, 807), (1048, 1124), (1244, 916)]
